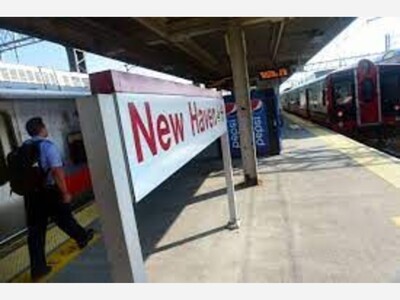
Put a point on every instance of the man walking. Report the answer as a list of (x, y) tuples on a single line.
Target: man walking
[(50, 200)]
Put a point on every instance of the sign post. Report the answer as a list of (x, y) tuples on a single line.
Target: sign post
[(138, 131), (233, 222)]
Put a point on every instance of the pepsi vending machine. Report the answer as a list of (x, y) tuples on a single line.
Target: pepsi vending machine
[(266, 124), (274, 118)]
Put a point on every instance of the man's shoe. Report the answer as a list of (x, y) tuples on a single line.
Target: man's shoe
[(37, 274), (88, 238)]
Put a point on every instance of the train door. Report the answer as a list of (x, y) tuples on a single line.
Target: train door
[(6, 143), (367, 98), (12, 215)]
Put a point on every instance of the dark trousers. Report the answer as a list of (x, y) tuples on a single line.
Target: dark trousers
[(39, 207)]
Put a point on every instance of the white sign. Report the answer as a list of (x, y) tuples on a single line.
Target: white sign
[(163, 132)]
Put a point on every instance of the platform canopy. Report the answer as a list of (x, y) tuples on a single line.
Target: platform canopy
[(192, 47)]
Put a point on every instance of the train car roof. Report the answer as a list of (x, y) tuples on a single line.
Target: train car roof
[(320, 78), (315, 80), (28, 82), (335, 72)]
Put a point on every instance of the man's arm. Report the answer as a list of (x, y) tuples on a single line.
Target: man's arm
[(59, 177), (56, 169)]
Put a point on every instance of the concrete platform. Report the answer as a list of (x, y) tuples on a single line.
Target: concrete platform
[(327, 210)]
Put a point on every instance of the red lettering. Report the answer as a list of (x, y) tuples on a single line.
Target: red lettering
[(162, 132), (213, 116), (193, 118), (210, 117), (177, 127), (201, 120), (139, 127), (206, 118)]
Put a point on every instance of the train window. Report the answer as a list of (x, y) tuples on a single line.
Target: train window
[(52, 79), (310, 96), (22, 76), (31, 78), (76, 148), (297, 99), (367, 90), (302, 99), (46, 79), (75, 81), (6, 75), (13, 74), (7, 142), (314, 96), (85, 82), (38, 77), (390, 89), (66, 80)]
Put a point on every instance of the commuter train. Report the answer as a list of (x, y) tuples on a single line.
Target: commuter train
[(26, 92), (359, 101)]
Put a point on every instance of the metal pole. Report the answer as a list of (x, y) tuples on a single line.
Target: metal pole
[(226, 156), (236, 47), (106, 159)]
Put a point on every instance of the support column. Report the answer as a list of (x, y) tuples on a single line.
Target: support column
[(236, 48)]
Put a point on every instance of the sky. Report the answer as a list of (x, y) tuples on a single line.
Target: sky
[(51, 55), (364, 35)]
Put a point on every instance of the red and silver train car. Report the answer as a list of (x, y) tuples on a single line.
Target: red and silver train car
[(26, 92), (361, 100)]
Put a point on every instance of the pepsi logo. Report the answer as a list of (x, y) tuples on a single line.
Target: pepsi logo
[(256, 104), (230, 108)]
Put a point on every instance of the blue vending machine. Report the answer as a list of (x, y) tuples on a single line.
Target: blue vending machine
[(266, 124)]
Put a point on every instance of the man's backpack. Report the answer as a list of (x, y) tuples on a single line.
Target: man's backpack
[(24, 169)]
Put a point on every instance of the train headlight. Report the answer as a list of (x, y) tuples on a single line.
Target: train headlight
[(340, 114), (341, 124), (396, 107)]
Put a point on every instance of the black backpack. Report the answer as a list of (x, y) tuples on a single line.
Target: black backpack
[(24, 169)]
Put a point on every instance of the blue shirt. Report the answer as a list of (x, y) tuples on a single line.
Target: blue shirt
[(50, 157)]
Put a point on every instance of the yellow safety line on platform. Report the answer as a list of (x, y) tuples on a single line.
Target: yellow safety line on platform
[(379, 163), (57, 260), (17, 261)]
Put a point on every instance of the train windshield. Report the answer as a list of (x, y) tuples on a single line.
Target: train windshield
[(343, 92), (367, 90), (390, 87)]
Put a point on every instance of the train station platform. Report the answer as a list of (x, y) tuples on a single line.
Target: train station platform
[(327, 210)]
